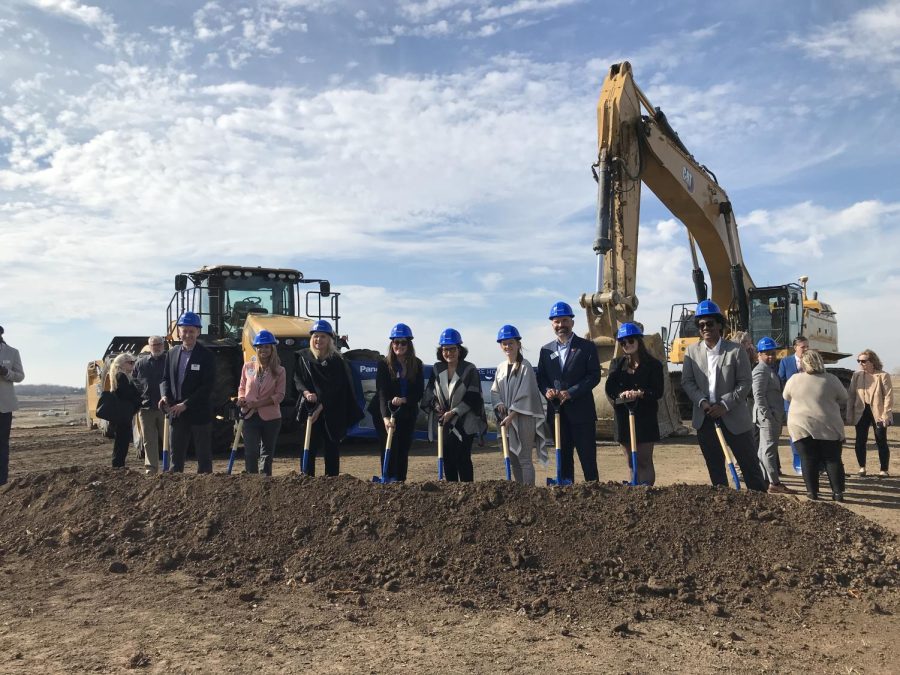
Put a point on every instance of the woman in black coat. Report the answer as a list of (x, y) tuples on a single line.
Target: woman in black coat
[(120, 375), (399, 385), (635, 381), (325, 385)]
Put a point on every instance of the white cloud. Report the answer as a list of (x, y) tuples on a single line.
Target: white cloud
[(523, 7), (870, 36), (90, 16)]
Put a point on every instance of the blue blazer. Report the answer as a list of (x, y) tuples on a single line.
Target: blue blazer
[(787, 368), (579, 376)]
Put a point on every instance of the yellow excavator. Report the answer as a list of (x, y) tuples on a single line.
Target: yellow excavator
[(637, 145)]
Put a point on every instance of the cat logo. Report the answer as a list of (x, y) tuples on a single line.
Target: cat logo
[(688, 178)]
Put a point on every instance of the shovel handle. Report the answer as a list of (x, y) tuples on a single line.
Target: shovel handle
[(633, 431), (504, 440), (167, 428), (729, 458), (237, 437)]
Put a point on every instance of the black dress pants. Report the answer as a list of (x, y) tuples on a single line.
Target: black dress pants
[(404, 433), (814, 452), (744, 453), (320, 441), (583, 437), (122, 438), (862, 438), (458, 456)]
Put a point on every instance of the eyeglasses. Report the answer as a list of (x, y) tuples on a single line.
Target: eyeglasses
[(449, 349), (628, 341), (862, 360), (400, 343), (707, 324)]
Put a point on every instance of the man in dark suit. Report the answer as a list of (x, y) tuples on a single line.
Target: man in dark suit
[(568, 370), (186, 390), (716, 377), (786, 370)]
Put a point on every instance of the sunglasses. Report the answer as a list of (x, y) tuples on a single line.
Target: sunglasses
[(628, 341), (707, 324), (400, 343), (862, 360)]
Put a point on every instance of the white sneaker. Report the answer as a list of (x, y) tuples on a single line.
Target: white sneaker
[(862, 471), (884, 474)]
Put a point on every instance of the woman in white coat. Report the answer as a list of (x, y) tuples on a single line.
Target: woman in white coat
[(519, 406)]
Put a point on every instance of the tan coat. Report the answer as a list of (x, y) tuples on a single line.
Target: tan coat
[(815, 406), (873, 389), (9, 357)]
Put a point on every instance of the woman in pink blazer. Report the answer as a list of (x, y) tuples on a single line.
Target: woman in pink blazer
[(259, 396)]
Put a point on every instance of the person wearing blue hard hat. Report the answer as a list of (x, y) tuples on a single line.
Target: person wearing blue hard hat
[(326, 396), (518, 406), (399, 386), (567, 372), (260, 393), (768, 407), (716, 376), (454, 405), (635, 382), (186, 389)]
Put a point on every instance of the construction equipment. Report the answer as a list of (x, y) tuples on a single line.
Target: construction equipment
[(234, 303), (637, 146)]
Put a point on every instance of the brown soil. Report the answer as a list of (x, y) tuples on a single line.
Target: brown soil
[(112, 571)]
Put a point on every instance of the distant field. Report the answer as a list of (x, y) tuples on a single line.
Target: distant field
[(49, 411)]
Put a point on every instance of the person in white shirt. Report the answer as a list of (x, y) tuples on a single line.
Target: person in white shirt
[(10, 371)]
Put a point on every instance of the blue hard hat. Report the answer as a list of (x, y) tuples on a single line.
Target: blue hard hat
[(766, 344), (561, 309), (401, 330), (450, 336), (628, 330), (508, 332), (189, 319), (708, 308), (264, 337), (322, 326)]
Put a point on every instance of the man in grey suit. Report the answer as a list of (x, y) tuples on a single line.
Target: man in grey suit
[(716, 377), (769, 412)]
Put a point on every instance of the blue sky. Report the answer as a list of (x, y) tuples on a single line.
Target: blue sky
[(431, 158)]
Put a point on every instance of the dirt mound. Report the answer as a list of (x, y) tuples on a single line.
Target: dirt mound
[(488, 544)]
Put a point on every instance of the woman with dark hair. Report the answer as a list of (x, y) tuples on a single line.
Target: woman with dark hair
[(519, 406), (325, 386), (814, 422), (122, 385), (453, 401), (399, 385), (635, 382), (871, 404)]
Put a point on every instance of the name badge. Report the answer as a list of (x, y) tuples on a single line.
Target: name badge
[(554, 355), (195, 366)]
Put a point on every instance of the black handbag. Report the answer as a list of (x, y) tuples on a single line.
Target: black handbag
[(110, 408)]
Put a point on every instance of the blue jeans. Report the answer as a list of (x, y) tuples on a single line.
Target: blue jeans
[(260, 437)]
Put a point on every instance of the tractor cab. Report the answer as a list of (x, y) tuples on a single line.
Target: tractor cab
[(225, 296)]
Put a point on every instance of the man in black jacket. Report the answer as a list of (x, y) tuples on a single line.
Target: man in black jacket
[(186, 390), (568, 370)]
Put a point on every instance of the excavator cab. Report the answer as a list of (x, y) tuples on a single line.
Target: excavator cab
[(776, 312)]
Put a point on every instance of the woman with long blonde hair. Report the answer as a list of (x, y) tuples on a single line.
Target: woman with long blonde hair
[(122, 385), (260, 395), (326, 393)]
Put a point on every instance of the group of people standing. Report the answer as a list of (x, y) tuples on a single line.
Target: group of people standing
[(750, 406)]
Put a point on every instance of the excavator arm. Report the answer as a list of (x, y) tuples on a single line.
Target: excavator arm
[(637, 145)]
